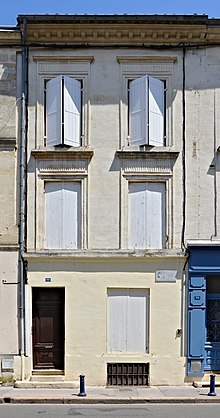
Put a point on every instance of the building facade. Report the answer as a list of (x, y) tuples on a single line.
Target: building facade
[(118, 125)]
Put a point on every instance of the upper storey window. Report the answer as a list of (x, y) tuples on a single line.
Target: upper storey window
[(147, 111), (63, 111)]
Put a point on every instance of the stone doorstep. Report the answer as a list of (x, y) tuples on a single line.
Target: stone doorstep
[(205, 384), (32, 384)]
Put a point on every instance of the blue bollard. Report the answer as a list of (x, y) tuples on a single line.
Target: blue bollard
[(82, 391), (212, 391)]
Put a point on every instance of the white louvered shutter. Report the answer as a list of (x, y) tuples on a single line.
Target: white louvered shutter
[(137, 321), (155, 215), (71, 215), (138, 111), (72, 112), (146, 215), (127, 320), (117, 320), (53, 215), (62, 215), (54, 111), (156, 112), (137, 227)]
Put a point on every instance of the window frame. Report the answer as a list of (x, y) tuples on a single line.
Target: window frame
[(151, 178), (77, 67), (163, 215), (132, 67), (79, 217)]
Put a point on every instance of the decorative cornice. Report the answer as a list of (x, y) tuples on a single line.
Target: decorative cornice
[(10, 37), (117, 34), (161, 59), (71, 59), (7, 144), (145, 163), (60, 153), (153, 154)]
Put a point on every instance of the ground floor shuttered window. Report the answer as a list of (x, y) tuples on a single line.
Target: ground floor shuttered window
[(127, 320)]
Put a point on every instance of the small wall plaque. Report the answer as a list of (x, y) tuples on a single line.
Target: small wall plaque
[(168, 276), (48, 279)]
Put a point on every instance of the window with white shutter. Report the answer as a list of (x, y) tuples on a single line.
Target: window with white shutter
[(62, 215), (146, 215), (63, 111), (147, 111), (127, 320)]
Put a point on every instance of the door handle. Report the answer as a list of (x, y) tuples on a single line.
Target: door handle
[(49, 346)]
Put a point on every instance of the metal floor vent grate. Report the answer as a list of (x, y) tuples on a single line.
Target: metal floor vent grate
[(127, 374)]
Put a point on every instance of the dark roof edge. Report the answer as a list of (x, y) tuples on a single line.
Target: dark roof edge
[(118, 18)]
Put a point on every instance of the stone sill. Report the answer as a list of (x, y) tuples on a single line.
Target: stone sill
[(152, 152)]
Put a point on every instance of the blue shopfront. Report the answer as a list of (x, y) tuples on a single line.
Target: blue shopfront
[(203, 309)]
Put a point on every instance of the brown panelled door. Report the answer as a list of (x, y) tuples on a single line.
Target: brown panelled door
[(48, 328)]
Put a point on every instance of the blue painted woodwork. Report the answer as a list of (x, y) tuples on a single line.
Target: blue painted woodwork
[(203, 347)]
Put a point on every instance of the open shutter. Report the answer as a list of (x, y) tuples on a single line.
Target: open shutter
[(72, 112), (138, 111), (71, 215), (53, 215), (156, 112), (54, 111)]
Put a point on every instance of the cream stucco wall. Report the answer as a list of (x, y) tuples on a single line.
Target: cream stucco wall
[(86, 283)]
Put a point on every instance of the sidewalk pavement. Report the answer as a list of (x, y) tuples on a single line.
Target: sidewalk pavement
[(109, 395)]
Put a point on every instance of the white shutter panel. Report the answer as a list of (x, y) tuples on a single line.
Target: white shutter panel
[(137, 321), (138, 111), (137, 215), (146, 215), (127, 320), (72, 111), (71, 215), (117, 320), (54, 111), (53, 215), (155, 215), (156, 112)]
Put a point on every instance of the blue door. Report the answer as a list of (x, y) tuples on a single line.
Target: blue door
[(212, 344)]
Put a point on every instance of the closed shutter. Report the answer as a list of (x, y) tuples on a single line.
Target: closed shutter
[(156, 112), (54, 111), (127, 320), (138, 111), (53, 215), (146, 215), (62, 215), (71, 215), (72, 110), (155, 215)]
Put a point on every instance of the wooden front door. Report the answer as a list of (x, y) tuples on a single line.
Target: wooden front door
[(48, 328)]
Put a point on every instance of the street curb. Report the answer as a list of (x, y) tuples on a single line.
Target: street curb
[(93, 400)]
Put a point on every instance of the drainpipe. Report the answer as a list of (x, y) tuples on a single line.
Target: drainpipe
[(22, 204)]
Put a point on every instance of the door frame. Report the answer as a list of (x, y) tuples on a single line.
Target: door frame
[(42, 370)]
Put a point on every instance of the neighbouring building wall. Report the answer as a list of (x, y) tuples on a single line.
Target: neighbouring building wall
[(8, 209)]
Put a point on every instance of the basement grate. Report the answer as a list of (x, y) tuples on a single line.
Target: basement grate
[(127, 374)]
